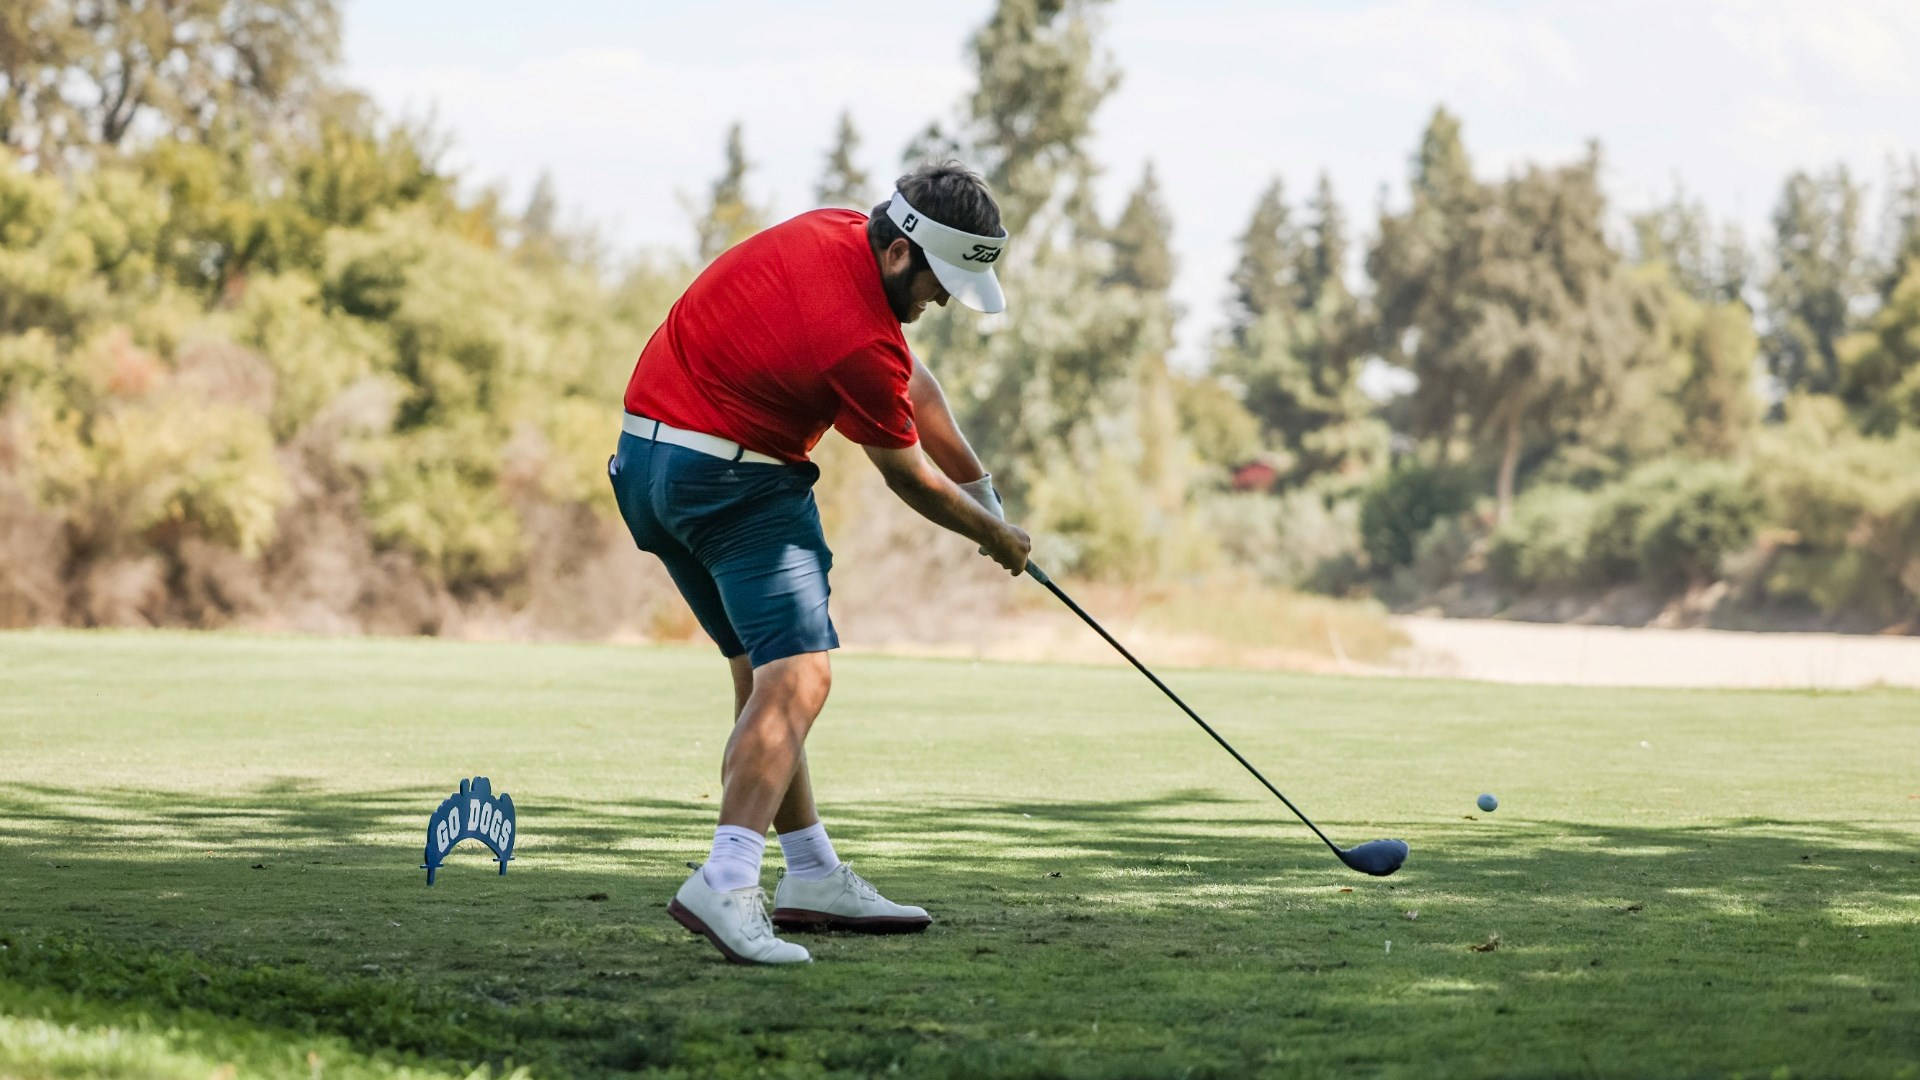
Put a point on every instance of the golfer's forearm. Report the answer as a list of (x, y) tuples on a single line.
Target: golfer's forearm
[(940, 434), (940, 501)]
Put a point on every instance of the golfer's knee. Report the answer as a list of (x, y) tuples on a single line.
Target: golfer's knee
[(795, 684)]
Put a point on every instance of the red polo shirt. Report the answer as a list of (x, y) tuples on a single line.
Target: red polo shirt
[(786, 333)]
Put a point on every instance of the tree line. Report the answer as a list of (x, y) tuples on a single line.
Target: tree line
[(240, 310)]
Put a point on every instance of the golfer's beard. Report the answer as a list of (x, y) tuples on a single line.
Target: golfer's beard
[(899, 294)]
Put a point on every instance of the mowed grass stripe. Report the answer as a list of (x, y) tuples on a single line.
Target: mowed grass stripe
[(209, 843)]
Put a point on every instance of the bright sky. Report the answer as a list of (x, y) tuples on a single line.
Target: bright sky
[(627, 103)]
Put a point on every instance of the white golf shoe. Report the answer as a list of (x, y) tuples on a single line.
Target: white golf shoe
[(736, 923), (843, 900)]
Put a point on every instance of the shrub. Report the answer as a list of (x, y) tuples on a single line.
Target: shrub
[(1852, 505), (1546, 541), (1707, 513), (1443, 550), (1613, 529), (1667, 523), (1405, 503), (1283, 539), (435, 493)]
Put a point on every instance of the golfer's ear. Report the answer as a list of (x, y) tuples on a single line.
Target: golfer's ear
[(898, 255)]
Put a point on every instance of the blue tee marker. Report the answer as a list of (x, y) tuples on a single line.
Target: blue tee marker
[(472, 813), (1486, 802)]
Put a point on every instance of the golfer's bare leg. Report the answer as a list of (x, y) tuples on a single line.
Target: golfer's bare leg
[(768, 743), (742, 670), (796, 810)]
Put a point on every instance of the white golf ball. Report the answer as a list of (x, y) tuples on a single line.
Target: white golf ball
[(1488, 803)]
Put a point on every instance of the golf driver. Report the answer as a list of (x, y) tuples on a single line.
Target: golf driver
[(1376, 857)]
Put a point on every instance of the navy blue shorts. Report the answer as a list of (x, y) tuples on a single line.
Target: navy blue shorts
[(742, 541)]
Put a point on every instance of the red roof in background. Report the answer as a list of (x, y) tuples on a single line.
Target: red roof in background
[(1254, 476)]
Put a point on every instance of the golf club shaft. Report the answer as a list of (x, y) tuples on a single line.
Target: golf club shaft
[(1040, 576)]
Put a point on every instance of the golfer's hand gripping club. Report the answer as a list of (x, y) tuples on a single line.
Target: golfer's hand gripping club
[(1376, 857), (982, 492)]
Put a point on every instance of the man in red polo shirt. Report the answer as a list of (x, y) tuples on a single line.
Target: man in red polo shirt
[(792, 331)]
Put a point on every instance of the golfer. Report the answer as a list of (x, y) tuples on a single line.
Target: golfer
[(793, 330)]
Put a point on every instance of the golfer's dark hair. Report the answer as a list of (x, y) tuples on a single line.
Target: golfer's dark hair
[(949, 193)]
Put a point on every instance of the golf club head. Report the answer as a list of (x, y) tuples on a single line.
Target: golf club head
[(1376, 857)]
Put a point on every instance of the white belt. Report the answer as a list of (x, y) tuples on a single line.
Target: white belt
[(711, 445)]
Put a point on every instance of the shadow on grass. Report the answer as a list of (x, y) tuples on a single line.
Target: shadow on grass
[(1182, 934)]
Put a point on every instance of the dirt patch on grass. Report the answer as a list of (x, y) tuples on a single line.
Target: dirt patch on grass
[(1515, 652)]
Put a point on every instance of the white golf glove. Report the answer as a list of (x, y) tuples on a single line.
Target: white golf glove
[(981, 491)]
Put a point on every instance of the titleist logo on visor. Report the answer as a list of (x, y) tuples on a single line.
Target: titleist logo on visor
[(963, 261), (941, 240)]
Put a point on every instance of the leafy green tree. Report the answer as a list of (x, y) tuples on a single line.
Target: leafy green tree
[(1556, 321), (1850, 505), (1694, 390), (1506, 302), (844, 183), (1223, 433), (344, 164), (1879, 376), (1677, 234), (80, 76), (1718, 401), (1819, 274), (38, 44)]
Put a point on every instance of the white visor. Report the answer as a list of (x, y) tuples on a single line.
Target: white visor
[(962, 261)]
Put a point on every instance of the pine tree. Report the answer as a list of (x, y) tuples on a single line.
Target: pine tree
[(1442, 172), (932, 143), (1291, 342), (1323, 256), (1733, 267), (1263, 278), (844, 183), (728, 218), (1069, 399), (1040, 81), (1900, 224), (1417, 263), (540, 220), (1819, 274), (1143, 240)]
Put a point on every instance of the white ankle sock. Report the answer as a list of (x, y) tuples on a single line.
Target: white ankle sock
[(735, 861), (809, 853)]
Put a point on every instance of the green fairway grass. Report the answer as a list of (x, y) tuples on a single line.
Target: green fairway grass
[(209, 849)]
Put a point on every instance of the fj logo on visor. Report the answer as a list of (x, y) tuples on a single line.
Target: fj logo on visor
[(909, 222), (982, 253)]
